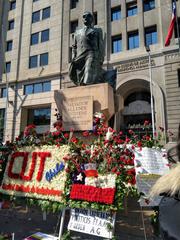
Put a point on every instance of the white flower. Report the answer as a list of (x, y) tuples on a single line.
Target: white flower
[(109, 134)]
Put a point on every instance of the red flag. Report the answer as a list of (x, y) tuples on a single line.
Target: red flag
[(171, 26)]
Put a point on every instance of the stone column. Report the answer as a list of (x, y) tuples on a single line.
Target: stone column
[(124, 25), (140, 23)]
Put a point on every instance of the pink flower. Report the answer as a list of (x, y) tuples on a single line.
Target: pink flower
[(131, 131)]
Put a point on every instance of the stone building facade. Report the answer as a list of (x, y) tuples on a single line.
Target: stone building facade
[(36, 53)]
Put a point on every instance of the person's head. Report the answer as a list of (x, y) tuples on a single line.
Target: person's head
[(88, 19)]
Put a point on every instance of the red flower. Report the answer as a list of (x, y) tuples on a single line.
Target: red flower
[(114, 169), (66, 135), (74, 140), (85, 134), (67, 170), (132, 180), (148, 138), (139, 143), (146, 122)]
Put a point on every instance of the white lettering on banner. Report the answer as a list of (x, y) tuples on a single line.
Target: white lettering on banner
[(92, 222)]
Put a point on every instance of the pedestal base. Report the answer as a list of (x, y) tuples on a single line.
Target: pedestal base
[(78, 104)]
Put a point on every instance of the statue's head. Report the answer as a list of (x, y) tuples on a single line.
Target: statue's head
[(88, 19)]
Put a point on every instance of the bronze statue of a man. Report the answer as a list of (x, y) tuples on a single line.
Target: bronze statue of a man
[(88, 53)]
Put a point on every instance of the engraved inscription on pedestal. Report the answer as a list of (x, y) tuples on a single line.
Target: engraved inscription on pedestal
[(77, 113)]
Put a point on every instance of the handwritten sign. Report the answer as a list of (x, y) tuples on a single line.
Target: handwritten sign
[(150, 164), (77, 113), (92, 222), (144, 183), (36, 172), (152, 161)]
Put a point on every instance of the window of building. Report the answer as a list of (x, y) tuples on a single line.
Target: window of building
[(12, 5), (35, 0), (45, 35), (116, 13), (43, 59), (34, 38), (37, 88), (35, 16), (73, 26), (131, 9), (2, 119), (33, 61), (46, 86), (46, 13), (39, 116), (178, 72), (148, 5), (11, 24), (28, 89), (175, 28), (150, 35), (8, 67), (9, 45), (3, 92), (133, 40), (73, 3), (116, 44), (95, 18)]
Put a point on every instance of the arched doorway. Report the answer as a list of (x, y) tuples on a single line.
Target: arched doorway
[(137, 110), (129, 88)]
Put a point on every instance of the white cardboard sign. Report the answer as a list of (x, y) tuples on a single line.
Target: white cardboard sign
[(150, 164), (151, 161), (92, 222)]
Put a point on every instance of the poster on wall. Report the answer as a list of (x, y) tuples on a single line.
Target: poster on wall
[(36, 172)]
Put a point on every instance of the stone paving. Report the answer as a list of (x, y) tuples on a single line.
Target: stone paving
[(24, 221)]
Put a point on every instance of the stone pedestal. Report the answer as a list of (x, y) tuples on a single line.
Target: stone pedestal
[(78, 104)]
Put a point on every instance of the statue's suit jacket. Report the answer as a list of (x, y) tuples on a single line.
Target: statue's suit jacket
[(89, 39)]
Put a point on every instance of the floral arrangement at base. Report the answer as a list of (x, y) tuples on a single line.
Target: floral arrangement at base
[(99, 166), (36, 172)]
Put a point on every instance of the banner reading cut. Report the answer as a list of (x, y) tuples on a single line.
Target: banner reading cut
[(36, 172)]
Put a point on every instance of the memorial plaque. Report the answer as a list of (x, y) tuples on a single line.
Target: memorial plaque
[(77, 113)]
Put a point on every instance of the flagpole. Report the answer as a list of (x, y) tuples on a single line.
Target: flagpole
[(177, 24)]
